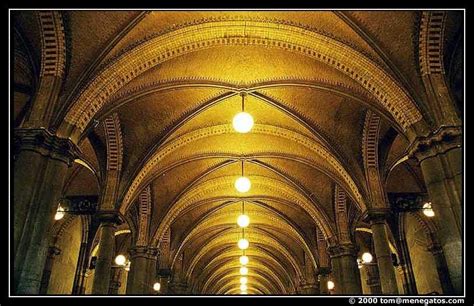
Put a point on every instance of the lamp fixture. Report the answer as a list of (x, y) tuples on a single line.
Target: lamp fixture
[(242, 122), (331, 285), (242, 184), (120, 260), (428, 210), (243, 244), (243, 220), (244, 270), (243, 287), (156, 286), (60, 212), (244, 260), (367, 257), (243, 280)]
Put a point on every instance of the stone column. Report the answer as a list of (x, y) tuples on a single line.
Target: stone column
[(105, 255), (440, 157), (308, 288), (383, 254), (441, 268), (152, 269), (345, 270), (41, 160), (115, 284), (138, 274), (323, 277), (164, 279), (53, 251), (373, 279)]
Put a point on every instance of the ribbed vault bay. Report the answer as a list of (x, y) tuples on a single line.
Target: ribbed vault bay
[(237, 152)]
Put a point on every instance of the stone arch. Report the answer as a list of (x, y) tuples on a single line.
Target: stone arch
[(203, 35), (174, 144)]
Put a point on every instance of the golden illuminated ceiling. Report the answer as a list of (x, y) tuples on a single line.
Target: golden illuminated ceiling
[(174, 79)]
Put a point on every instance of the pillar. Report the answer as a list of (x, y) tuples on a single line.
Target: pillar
[(164, 279), (323, 277), (440, 156), (53, 251), (143, 265), (152, 269), (388, 281), (373, 279), (105, 255), (41, 160), (116, 275), (345, 270), (441, 268)]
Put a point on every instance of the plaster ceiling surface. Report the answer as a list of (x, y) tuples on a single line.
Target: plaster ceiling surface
[(175, 89)]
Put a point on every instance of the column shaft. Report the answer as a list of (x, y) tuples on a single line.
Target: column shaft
[(344, 267), (105, 256), (388, 282)]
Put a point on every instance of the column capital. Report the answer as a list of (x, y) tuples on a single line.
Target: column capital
[(138, 251), (110, 217), (153, 252), (342, 250), (45, 143), (324, 271), (436, 142), (376, 216)]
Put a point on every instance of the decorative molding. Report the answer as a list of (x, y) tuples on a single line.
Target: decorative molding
[(113, 136), (340, 208), (438, 142), (45, 143), (370, 143), (144, 202), (174, 144), (431, 36), (195, 37), (53, 44)]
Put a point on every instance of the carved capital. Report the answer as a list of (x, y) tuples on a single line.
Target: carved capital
[(45, 143), (138, 251), (325, 271), (342, 250), (435, 143), (110, 217), (153, 252), (376, 216)]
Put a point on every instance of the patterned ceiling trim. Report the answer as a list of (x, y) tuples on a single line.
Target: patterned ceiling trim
[(144, 202), (209, 34), (431, 42), (176, 143), (53, 44), (340, 203), (370, 142), (113, 136), (258, 256), (256, 236), (271, 220), (270, 186), (322, 249)]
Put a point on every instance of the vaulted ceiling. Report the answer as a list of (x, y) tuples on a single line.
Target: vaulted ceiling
[(175, 116)]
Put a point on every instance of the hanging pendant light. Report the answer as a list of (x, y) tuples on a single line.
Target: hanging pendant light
[(242, 184), (244, 260), (243, 244), (242, 122), (244, 271), (243, 280), (243, 220)]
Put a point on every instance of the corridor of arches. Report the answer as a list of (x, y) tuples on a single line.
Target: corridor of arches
[(237, 152)]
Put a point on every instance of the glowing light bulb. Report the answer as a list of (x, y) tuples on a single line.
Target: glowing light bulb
[(243, 287), (367, 257), (330, 285), (59, 213), (242, 184), (243, 280), (120, 260), (243, 292), (244, 271), (242, 122), (427, 210), (243, 244), (243, 221), (156, 286), (244, 260)]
